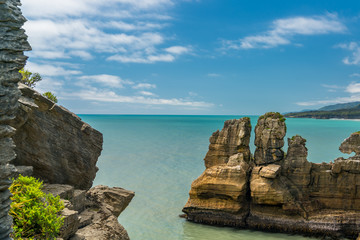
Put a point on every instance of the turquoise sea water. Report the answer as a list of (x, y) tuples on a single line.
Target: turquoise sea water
[(159, 156)]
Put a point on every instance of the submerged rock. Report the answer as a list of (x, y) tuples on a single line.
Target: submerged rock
[(277, 192)]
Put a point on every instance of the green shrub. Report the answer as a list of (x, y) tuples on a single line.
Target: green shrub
[(50, 96), (35, 214), (28, 78)]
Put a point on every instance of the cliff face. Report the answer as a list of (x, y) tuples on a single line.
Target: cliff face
[(13, 42), (281, 193), (61, 148)]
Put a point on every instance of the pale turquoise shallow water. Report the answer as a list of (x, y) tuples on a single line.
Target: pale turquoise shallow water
[(159, 156)]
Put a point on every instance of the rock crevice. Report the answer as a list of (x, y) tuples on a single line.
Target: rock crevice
[(274, 191)]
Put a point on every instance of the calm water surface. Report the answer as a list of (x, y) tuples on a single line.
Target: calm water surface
[(159, 156)]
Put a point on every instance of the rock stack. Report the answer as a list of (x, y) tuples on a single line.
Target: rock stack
[(274, 191), (219, 195), (13, 42)]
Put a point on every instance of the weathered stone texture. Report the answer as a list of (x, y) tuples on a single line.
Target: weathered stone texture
[(219, 195), (277, 192), (13, 42), (233, 138), (92, 214), (61, 148)]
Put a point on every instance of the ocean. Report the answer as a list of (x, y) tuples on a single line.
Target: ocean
[(159, 156)]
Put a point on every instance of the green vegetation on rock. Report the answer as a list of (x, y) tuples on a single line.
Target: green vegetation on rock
[(30, 79), (35, 214), (50, 96), (273, 115)]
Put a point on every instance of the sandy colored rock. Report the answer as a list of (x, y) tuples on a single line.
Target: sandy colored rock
[(351, 144), (270, 171), (277, 193), (233, 138)]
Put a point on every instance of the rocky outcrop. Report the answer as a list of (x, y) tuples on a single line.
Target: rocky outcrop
[(269, 138), (284, 193), (219, 195), (61, 148), (13, 42), (91, 214)]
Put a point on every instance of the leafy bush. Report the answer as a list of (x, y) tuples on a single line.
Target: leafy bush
[(51, 96), (35, 214), (28, 78)]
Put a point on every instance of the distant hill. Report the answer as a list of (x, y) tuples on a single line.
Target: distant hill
[(339, 106), (345, 110)]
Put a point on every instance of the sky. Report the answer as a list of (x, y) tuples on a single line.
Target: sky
[(226, 57)]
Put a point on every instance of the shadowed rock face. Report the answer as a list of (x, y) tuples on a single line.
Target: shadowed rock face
[(269, 138), (278, 193), (13, 42), (61, 148)]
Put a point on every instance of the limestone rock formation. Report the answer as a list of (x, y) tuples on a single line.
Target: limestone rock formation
[(91, 214), (280, 193), (233, 138), (269, 138), (219, 195), (13, 42), (61, 148), (352, 144)]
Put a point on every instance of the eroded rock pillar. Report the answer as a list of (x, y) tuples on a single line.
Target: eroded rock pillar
[(13, 42)]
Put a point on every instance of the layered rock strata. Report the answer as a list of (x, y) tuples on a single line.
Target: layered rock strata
[(13, 42), (59, 146), (91, 214), (219, 195), (284, 193)]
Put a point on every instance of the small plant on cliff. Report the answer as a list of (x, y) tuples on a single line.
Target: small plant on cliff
[(35, 214), (50, 96), (28, 78)]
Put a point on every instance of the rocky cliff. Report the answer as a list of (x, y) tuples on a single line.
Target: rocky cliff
[(13, 42), (54, 145), (273, 191), (61, 148)]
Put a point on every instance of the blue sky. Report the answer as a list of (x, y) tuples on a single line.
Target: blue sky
[(195, 57)]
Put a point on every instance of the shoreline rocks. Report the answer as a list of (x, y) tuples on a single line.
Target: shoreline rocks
[(59, 146), (91, 214), (281, 193)]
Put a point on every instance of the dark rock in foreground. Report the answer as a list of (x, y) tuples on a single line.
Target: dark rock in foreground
[(61, 148), (277, 192), (92, 214)]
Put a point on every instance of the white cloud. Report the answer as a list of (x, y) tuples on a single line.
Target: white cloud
[(331, 101), (50, 70), (354, 59), (122, 30), (178, 50), (106, 80), (66, 8), (146, 93), (283, 30), (214, 75), (353, 88), (355, 75), (333, 88), (144, 86), (139, 58), (110, 96)]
